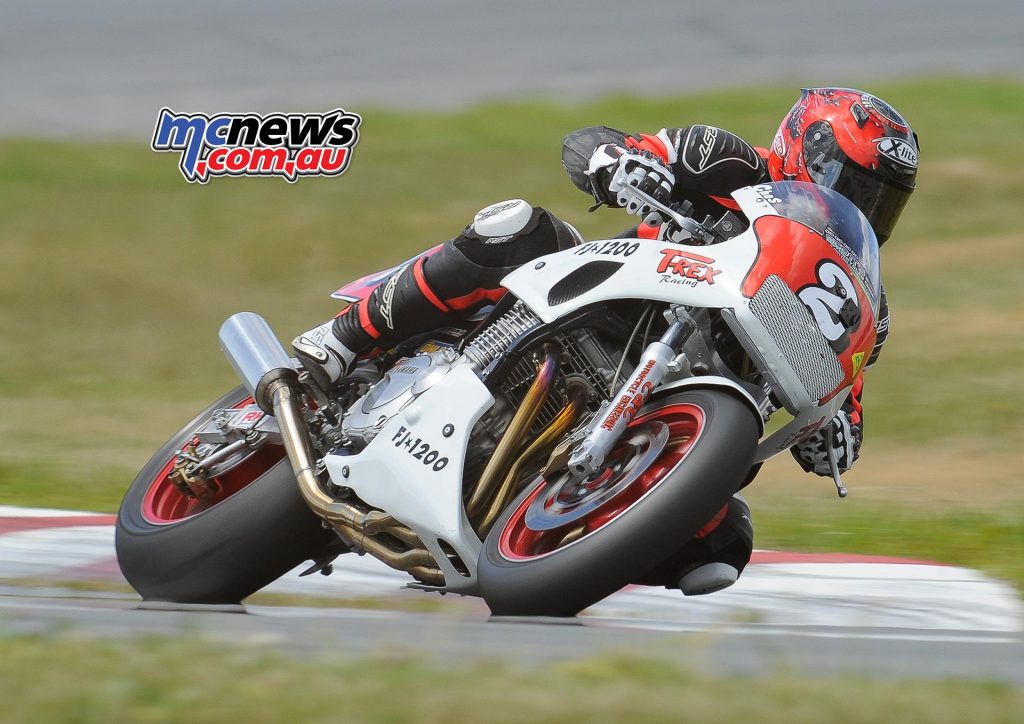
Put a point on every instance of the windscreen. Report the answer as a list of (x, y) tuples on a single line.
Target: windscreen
[(833, 216)]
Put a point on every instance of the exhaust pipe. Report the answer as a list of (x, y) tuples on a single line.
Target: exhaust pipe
[(358, 526), (257, 356), (267, 372)]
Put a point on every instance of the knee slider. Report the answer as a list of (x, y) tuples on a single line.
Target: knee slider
[(503, 219)]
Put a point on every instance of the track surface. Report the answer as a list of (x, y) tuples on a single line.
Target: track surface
[(735, 649), (819, 614), (106, 67)]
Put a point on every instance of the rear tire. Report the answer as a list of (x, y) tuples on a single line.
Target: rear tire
[(532, 571), (168, 551)]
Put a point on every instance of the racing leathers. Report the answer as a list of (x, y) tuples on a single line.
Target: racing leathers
[(700, 165)]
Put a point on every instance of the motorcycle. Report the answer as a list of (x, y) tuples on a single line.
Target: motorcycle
[(544, 454)]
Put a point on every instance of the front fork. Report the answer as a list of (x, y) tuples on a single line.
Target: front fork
[(588, 456)]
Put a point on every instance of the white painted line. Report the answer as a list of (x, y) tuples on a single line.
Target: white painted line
[(53, 551), (850, 595), (10, 511)]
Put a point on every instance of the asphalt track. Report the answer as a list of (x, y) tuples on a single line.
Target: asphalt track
[(818, 614), (468, 639), (106, 67)]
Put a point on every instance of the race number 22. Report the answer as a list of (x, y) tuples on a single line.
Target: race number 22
[(833, 304)]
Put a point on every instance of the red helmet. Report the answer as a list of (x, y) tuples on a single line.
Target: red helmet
[(854, 143)]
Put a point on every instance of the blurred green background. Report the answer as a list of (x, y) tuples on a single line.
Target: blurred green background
[(64, 679), (116, 274)]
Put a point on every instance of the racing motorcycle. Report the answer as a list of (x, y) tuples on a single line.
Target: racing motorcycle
[(544, 454)]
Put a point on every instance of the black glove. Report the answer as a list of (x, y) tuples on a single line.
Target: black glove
[(847, 436)]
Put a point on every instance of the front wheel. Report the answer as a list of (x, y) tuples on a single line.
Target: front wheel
[(566, 543), (253, 529)]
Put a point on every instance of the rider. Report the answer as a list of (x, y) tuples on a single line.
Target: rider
[(844, 139)]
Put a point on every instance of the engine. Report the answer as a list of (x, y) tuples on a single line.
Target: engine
[(582, 357), (404, 382)]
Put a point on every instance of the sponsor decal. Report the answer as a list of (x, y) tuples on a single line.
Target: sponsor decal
[(387, 295), (853, 261), (706, 145), (403, 367), (499, 239), (496, 209), (779, 145), (766, 194), (898, 150), (612, 248), (433, 346), (880, 108), (429, 456), (250, 144), (858, 360), (803, 433), (688, 266), (632, 400)]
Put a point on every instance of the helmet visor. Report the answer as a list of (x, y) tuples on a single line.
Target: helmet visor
[(879, 199)]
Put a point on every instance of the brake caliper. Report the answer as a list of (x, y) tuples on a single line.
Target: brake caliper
[(188, 475)]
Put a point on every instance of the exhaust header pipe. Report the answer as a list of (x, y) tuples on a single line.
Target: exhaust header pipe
[(257, 356), (264, 366)]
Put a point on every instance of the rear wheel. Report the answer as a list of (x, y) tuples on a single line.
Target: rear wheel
[(252, 529), (566, 543)]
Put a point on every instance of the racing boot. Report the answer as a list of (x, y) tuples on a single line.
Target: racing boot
[(714, 558), (728, 547), (323, 355)]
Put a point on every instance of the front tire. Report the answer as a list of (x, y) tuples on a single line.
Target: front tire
[(173, 548), (620, 525)]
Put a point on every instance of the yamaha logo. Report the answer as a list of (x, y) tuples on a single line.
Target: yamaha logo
[(898, 150)]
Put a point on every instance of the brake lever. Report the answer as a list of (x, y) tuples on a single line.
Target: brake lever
[(833, 464), (691, 226)]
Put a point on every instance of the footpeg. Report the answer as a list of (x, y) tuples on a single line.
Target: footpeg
[(324, 566)]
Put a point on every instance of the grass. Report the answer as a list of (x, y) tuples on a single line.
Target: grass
[(150, 680), (116, 275)]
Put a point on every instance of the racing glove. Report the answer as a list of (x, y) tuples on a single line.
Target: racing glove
[(847, 432), (612, 169)]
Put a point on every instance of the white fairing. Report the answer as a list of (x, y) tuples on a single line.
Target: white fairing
[(686, 279), (413, 467), (392, 472), (697, 276), (700, 276)]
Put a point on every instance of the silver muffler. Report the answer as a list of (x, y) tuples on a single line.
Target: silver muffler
[(257, 356), (267, 372)]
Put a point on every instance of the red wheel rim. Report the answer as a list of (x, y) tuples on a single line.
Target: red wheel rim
[(164, 503), (519, 542)]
